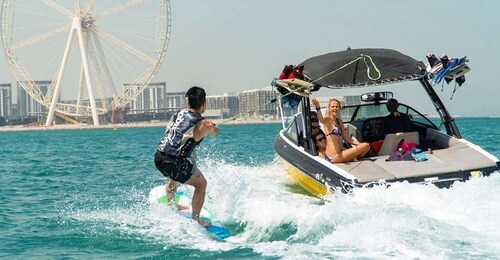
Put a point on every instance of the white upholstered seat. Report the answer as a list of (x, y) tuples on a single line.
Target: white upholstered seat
[(391, 141)]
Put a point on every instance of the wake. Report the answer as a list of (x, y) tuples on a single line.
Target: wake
[(264, 214)]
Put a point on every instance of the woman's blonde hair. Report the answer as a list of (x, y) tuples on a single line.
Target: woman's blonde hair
[(329, 102), (336, 100)]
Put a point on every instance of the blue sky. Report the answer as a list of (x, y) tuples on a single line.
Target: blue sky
[(234, 45)]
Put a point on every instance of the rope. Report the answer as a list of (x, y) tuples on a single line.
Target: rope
[(362, 56), (368, 68), (248, 111), (256, 108)]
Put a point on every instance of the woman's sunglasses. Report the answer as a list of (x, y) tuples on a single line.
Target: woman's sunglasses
[(320, 139)]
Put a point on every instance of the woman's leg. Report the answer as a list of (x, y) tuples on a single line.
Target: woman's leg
[(357, 151), (364, 148)]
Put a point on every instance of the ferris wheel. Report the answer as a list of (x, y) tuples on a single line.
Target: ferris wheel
[(97, 55)]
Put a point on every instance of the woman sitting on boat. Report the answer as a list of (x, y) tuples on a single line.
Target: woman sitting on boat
[(335, 133), (320, 142)]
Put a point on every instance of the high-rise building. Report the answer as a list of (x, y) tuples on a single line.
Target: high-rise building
[(175, 101), (344, 100), (227, 104), (351, 100), (5, 100), (151, 99), (258, 103), (14, 114), (28, 106)]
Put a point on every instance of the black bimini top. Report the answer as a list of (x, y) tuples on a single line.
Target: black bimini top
[(361, 68)]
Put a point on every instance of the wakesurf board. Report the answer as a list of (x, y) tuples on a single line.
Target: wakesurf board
[(297, 86), (182, 199)]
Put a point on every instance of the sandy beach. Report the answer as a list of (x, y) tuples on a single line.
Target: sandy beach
[(127, 125)]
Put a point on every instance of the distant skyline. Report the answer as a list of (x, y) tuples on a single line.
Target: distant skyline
[(235, 45)]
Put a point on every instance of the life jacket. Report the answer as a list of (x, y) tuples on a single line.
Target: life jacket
[(297, 72), (287, 70), (178, 139)]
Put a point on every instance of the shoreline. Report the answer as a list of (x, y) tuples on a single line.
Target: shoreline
[(18, 128)]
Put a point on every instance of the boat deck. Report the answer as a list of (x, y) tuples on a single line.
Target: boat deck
[(459, 157)]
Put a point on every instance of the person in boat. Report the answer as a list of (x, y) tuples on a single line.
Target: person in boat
[(321, 143), (173, 155), (314, 127), (314, 123), (396, 121), (336, 133)]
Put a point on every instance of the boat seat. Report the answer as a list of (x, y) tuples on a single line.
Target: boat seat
[(434, 165), (373, 129), (353, 132), (437, 140), (456, 152), (366, 171), (464, 157), (391, 141)]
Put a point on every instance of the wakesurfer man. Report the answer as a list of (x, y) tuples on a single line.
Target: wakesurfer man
[(174, 157)]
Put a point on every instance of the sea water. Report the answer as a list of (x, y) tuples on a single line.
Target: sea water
[(83, 194)]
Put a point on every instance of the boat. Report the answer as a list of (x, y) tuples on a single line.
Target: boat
[(449, 157)]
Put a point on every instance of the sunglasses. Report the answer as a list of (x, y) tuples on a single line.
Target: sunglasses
[(315, 127), (321, 139)]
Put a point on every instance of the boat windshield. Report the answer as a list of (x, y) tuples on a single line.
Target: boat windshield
[(366, 111)]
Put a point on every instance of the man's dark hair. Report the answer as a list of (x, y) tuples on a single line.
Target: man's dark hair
[(196, 97), (314, 116), (393, 100)]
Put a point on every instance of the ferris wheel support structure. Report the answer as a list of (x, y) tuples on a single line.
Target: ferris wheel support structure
[(75, 27), (106, 60)]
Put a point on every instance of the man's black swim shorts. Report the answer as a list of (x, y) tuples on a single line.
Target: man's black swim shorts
[(177, 168)]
